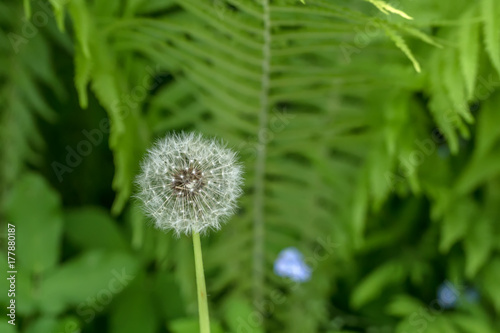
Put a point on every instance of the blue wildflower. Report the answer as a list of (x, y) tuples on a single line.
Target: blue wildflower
[(290, 264), (447, 295)]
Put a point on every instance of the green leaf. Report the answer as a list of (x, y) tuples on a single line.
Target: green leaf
[(82, 24), (401, 44), (185, 267), (42, 325), (106, 275), (70, 323), (35, 209), (489, 278), (418, 34), (490, 11), (416, 323), (239, 316), (455, 86), (25, 296), (127, 132), (133, 310), (478, 170), (168, 296), (443, 324), (387, 8), (5, 327), (83, 68), (456, 222), (473, 323), (403, 305), (110, 8), (373, 285), (488, 131), (469, 37), (92, 228), (478, 243), (58, 7)]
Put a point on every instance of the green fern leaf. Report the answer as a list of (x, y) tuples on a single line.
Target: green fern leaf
[(478, 245), (387, 8), (490, 11), (58, 7), (373, 284), (82, 24), (468, 35), (401, 44), (82, 76)]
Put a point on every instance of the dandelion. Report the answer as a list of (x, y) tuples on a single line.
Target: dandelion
[(190, 184), (290, 264)]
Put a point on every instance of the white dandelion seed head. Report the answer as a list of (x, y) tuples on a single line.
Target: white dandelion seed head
[(189, 183)]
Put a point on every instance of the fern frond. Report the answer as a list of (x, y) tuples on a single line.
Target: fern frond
[(401, 44), (469, 51), (490, 11), (26, 72), (387, 8)]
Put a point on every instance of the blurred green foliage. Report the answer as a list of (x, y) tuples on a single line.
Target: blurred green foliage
[(370, 136)]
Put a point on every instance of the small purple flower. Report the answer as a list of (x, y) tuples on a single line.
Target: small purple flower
[(447, 295), (290, 264)]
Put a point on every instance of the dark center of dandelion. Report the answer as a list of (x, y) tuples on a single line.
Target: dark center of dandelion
[(187, 182)]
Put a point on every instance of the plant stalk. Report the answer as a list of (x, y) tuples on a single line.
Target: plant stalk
[(200, 284)]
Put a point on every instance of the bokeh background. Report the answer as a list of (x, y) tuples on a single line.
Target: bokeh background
[(370, 136)]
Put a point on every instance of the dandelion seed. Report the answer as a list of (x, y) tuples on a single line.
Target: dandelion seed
[(200, 185)]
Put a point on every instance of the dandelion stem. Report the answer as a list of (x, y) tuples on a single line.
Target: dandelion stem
[(200, 283)]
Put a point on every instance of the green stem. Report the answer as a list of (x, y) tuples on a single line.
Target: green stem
[(200, 283)]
